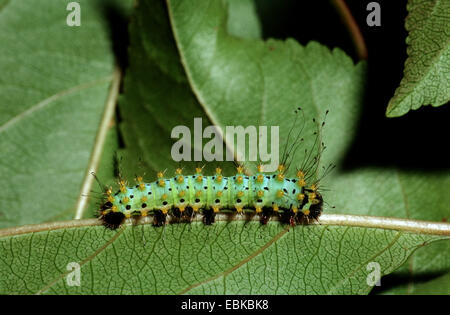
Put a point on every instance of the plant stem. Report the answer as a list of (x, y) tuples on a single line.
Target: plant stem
[(353, 29)]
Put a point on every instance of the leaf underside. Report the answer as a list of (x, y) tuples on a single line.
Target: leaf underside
[(427, 70), (226, 258)]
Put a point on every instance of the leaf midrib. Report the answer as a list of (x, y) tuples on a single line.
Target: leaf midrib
[(376, 222)]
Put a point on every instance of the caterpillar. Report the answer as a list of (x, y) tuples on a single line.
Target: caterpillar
[(295, 200)]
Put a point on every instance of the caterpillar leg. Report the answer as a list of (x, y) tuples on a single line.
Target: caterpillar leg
[(183, 216), (208, 216), (112, 220), (159, 218), (265, 215)]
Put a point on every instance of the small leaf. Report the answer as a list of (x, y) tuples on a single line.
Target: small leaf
[(427, 70)]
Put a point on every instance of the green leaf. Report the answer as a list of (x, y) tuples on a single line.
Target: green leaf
[(398, 194), (231, 258), (427, 70), (53, 90), (425, 272)]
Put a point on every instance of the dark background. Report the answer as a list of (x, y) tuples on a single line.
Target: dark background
[(415, 141)]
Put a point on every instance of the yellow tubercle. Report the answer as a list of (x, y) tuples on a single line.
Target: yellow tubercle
[(216, 209), (240, 194), (260, 193), (181, 208), (160, 174), (125, 200), (260, 179), (306, 211), (219, 193), (275, 207), (238, 208), (281, 168), (199, 179), (144, 213), (161, 183), (258, 209), (179, 171), (114, 209), (301, 183), (219, 178), (280, 177), (240, 169), (294, 209), (141, 186), (180, 179), (280, 193), (260, 168), (198, 193), (198, 170), (110, 198), (218, 171), (164, 197), (239, 180), (300, 197), (144, 199), (182, 193)]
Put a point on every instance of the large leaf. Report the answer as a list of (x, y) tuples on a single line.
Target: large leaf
[(427, 70), (53, 90), (227, 258)]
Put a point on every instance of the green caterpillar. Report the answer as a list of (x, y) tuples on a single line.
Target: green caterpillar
[(185, 196), (294, 200)]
